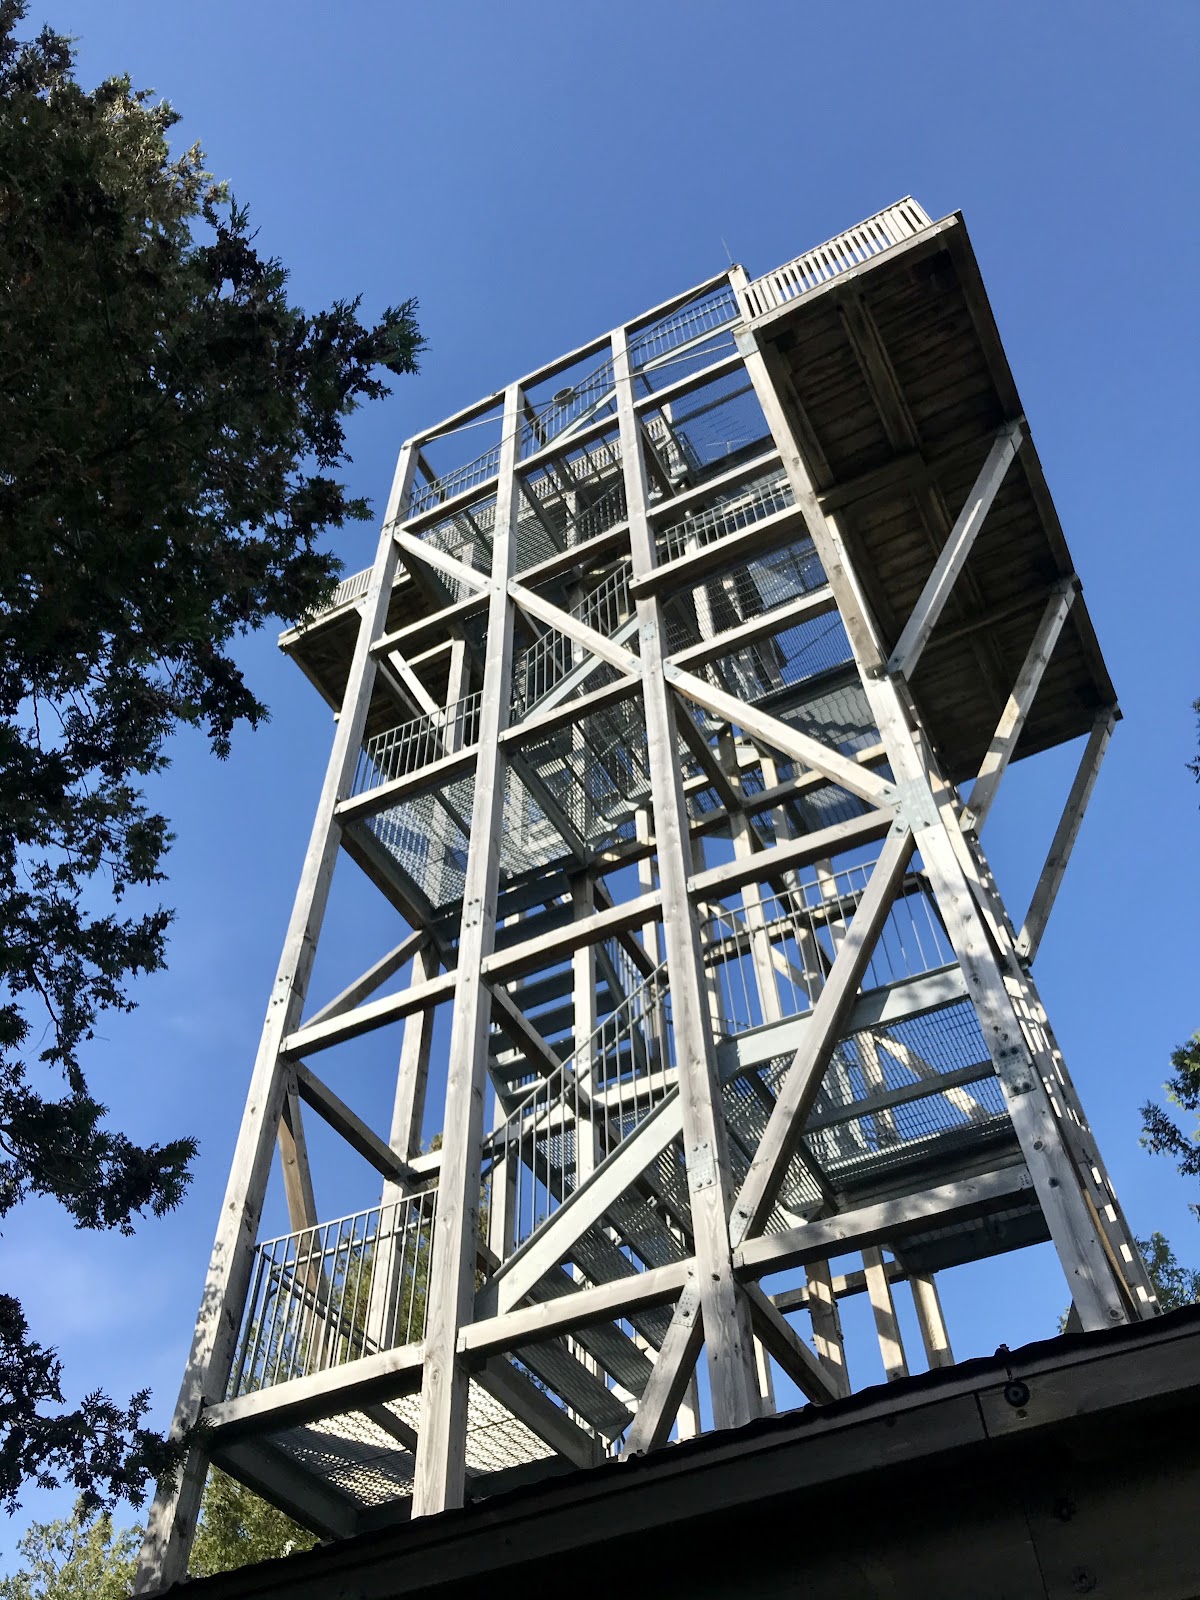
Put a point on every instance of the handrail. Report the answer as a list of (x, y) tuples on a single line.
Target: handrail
[(837, 255)]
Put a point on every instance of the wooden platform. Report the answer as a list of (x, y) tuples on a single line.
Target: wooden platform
[(896, 381)]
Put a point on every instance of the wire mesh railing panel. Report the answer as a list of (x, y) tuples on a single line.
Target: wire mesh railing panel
[(413, 745), (334, 1292), (892, 1093), (547, 665), (726, 514), (769, 958), (578, 402), (472, 474), (682, 326)]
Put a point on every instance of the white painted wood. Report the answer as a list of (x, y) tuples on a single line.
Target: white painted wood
[(441, 563), (386, 967), (781, 736), (596, 643), (788, 1348), (962, 536)]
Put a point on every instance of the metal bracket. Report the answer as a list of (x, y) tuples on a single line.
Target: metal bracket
[(701, 1166)]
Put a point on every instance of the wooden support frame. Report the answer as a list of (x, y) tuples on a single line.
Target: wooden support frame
[(528, 1297)]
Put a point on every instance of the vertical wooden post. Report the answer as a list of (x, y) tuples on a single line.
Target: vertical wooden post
[(827, 1326), (441, 1452), (171, 1523), (930, 1319), (887, 1326), (726, 1322)]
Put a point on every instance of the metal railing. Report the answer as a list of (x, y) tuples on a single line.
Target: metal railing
[(329, 1294), (741, 508), (577, 403), (424, 496), (545, 664), (413, 745), (835, 256), (769, 959), (599, 1094), (690, 322)]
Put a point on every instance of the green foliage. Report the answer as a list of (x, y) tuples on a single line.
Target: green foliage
[(1161, 1134), (171, 430), (238, 1527), (1174, 1284), (84, 1558), (78, 1558)]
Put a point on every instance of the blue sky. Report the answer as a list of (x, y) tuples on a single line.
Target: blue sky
[(537, 173)]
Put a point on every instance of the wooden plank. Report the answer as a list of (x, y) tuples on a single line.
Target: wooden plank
[(801, 609), (931, 1320), (1065, 835), (446, 566), (598, 644), (887, 1325), (374, 1014), (386, 967), (788, 1348), (582, 1308), (373, 1378), (717, 882), (820, 1300)]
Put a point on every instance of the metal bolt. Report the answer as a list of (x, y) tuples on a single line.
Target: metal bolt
[(1083, 1581)]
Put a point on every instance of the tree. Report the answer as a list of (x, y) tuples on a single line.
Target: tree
[(171, 430), (1174, 1284), (83, 1557), (1161, 1134), (238, 1527)]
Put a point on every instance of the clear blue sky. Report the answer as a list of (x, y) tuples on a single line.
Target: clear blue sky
[(536, 173)]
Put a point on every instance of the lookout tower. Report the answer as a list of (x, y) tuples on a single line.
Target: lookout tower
[(670, 718)]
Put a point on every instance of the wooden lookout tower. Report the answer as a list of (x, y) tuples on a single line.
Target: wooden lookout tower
[(669, 720)]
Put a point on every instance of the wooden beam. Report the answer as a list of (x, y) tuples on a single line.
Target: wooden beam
[(887, 1219), (716, 882), (172, 1519), (788, 1348), (801, 609), (953, 558), (440, 1476), (781, 736), (446, 566), (386, 967), (1065, 835), (316, 1036), (357, 1134), (728, 1337), (1020, 703), (591, 639), (803, 1079)]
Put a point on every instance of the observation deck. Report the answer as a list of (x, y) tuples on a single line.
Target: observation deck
[(655, 712)]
